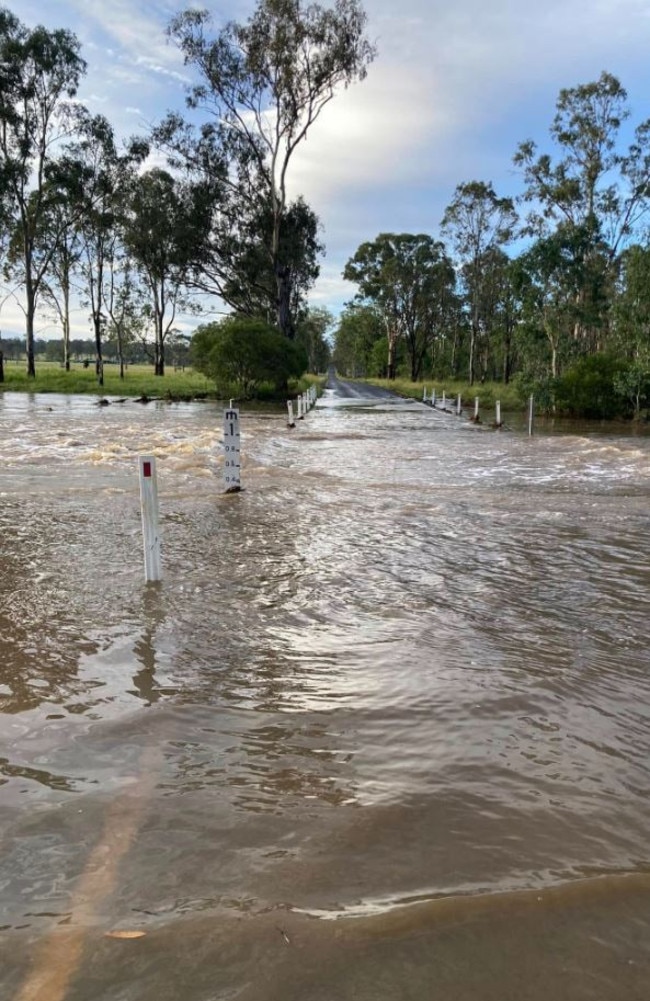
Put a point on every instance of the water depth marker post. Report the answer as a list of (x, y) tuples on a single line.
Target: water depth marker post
[(531, 415), (231, 450), (150, 527)]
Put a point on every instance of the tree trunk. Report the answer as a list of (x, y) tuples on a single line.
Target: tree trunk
[(283, 291), (66, 325), (390, 367), (99, 361), (29, 328)]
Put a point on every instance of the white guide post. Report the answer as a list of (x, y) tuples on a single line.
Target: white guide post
[(433, 397), (444, 400), (531, 414), (292, 423), (459, 405), (476, 408), (231, 451), (149, 507), (424, 394), (299, 412), (498, 413)]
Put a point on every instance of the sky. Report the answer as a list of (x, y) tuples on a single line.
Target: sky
[(454, 88)]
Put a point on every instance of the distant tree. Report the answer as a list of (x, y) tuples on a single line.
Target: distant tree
[(264, 84), (312, 336), (39, 69), (359, 328)]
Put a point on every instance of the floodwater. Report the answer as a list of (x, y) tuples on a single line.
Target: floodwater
[(382, 732)]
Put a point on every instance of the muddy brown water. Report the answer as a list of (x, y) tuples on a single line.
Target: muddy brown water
[(382, 732)]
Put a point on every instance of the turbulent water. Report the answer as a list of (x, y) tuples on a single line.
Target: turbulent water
[(382, 732)]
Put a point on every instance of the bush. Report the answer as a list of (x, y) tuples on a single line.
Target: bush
[(240, 354), (588, 389)]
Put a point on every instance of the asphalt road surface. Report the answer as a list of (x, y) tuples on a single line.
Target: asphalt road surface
[(356, 390)]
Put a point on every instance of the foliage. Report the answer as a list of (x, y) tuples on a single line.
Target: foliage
[(39, 69), (410, 280), (263, 85), (588, 389), (239, 354)]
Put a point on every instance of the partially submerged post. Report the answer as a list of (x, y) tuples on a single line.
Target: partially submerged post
[(291, 422), (150, 526), (459, 405), (231, 451), (498, 414), (476, 410), (531, 414)]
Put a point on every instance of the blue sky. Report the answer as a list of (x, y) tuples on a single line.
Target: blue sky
[(455, 87)]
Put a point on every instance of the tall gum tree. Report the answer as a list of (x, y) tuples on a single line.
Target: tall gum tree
[(592, 187), (407, 276), (477, 221), (264, 84), (39, 70)]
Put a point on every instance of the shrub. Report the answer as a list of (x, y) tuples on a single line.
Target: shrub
[(240, 354), (588, 389)]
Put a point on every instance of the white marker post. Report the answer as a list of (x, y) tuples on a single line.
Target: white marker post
[(424, 394), (231, 451), (459, 406), (149, 507), (531, 414), (292, 423), (433, 397), (476, 408), (444, 399), (498, 413)]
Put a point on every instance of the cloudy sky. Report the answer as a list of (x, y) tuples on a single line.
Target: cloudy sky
[(455, 86)]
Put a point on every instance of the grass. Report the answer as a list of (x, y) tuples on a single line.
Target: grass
[(487, 392), (138, 381)]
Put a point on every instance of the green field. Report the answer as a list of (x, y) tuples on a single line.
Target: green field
[(487, 392), (138, 381)]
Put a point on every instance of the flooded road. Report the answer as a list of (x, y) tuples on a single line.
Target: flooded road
[(382, 731)]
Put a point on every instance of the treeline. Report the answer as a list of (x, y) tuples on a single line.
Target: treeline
[(83, 219), (82, 350), (551, 288)]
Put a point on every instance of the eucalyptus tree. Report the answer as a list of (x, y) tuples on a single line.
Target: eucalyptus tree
[(631, 324), (550, 276), (593, 187), (59, 241), (263, 85), (407, 277), (477, 221), (103, 173), (39, 70), (164, 221)]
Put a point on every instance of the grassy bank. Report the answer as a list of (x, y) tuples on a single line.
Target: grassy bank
[(138, 381), (487, 392)]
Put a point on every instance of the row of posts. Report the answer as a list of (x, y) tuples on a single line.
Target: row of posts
[(441, 403), (304, 402), (231, 477)]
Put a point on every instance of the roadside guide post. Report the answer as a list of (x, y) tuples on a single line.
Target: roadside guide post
[(150, 520)]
